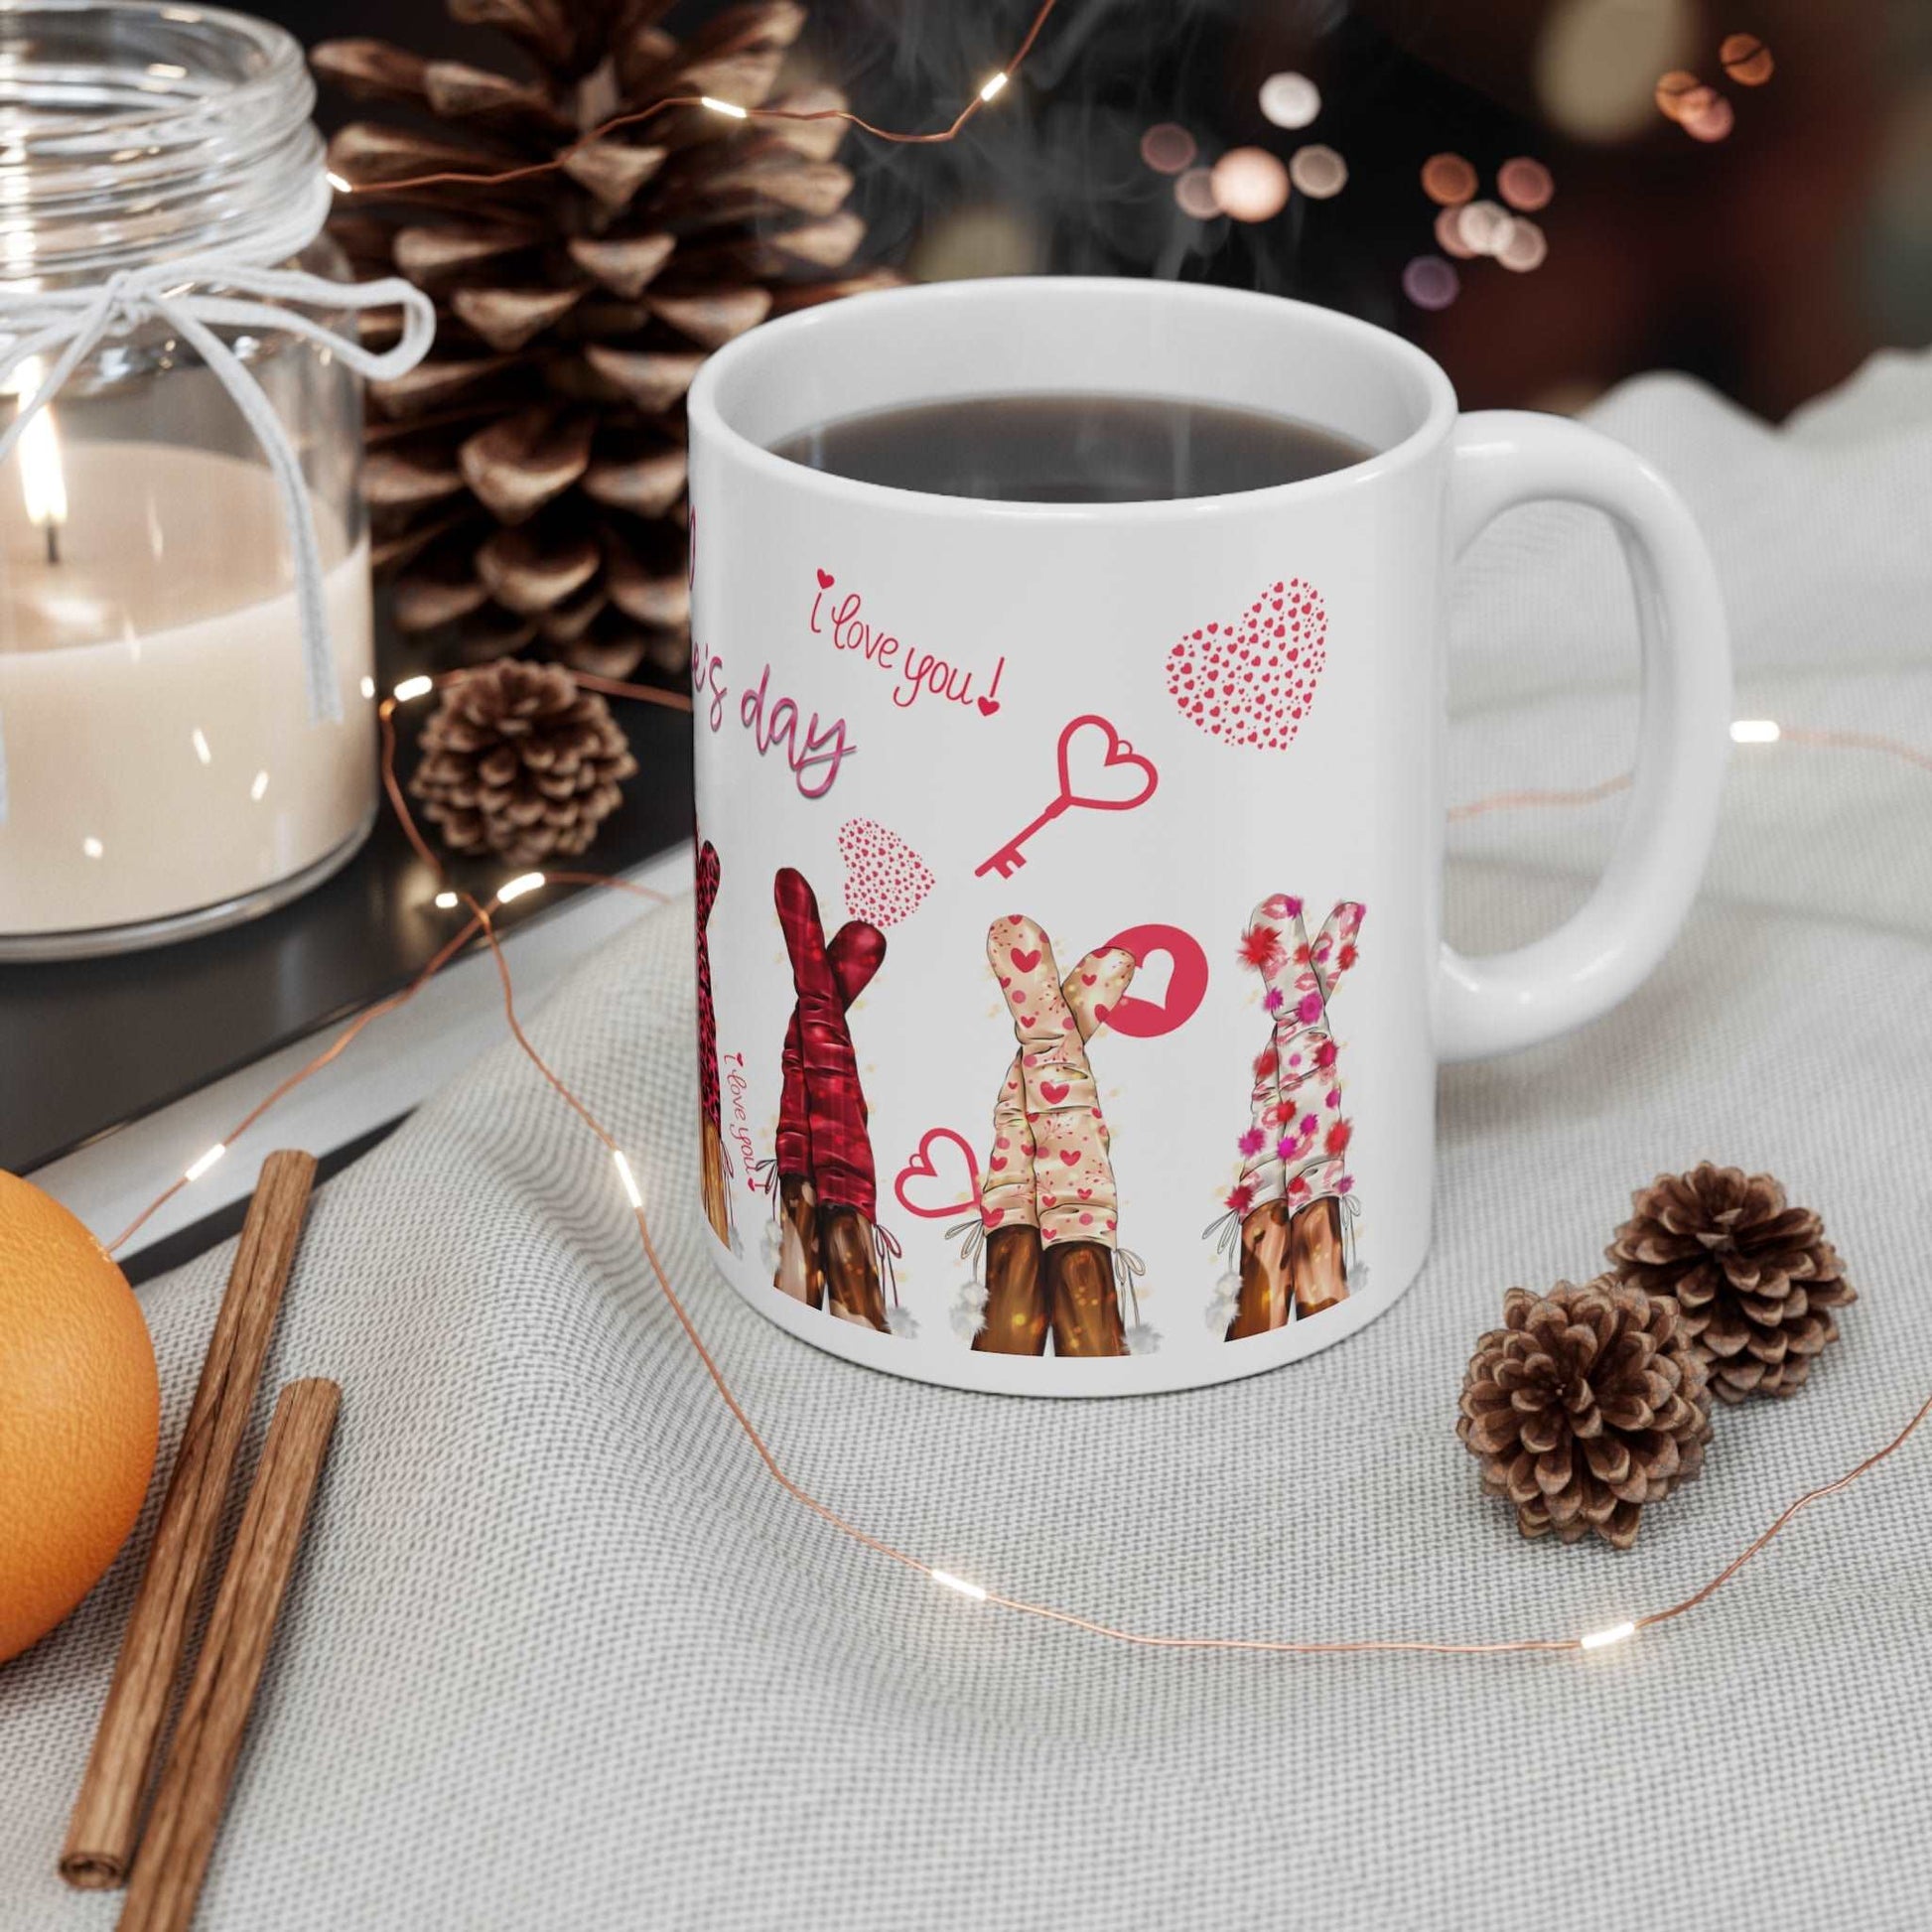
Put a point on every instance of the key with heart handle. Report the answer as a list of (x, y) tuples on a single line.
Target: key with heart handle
[(1119, 766)]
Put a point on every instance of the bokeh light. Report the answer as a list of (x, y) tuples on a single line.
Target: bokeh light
[(1597, 61), (1194, 190), (1250, 184), (1674, 90), (1317, 172), (1448, 179), (1711, 120), (1449, 234), (1290, 100), (1429, 282), (1747, 60), (1167, 148), (1486, 228), (1526, 248), (1525, 184)]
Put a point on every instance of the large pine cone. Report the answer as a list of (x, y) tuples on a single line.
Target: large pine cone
[(517, 762), (1756, 1279), (1585, 1405), (528, 482)]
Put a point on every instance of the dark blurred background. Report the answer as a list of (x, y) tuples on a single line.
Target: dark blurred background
[(1767, 239)]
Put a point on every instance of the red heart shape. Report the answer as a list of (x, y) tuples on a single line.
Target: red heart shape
[(886, 880), (1251, 711), (1140, 1018), (825, 580), (1071, 1155), (987, 706), (1053, 1091), (1093, 755), (1023, 962), (935, 1202)]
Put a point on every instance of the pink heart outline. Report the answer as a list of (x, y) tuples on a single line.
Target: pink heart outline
[(920, 1167), (1119, 752)]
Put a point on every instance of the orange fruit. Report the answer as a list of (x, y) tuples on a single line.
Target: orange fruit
[(79, 1411)]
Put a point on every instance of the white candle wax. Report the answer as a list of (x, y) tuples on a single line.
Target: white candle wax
[(160, 755)]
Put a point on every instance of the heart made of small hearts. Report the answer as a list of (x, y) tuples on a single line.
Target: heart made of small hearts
[(886, 880), (1252, 680)]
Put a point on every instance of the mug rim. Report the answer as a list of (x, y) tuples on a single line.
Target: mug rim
[(708, 419)]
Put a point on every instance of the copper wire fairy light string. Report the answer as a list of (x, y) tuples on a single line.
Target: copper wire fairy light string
[(482, 922), (445, 952), (497, 178)]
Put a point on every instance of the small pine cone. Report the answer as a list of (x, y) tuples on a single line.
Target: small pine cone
[(1756, 1279), (1585, 1405), (519, 763)]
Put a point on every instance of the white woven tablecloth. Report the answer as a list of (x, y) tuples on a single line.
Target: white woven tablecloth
[(560, 1655)]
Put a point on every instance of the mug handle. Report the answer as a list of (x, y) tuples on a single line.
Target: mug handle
[(1504, 1001)]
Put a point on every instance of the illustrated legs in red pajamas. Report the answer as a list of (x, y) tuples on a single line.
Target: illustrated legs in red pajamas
[(828, 1191)]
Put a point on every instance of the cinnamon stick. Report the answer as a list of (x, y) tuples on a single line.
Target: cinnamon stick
[(106, 1824), (194, 1788)]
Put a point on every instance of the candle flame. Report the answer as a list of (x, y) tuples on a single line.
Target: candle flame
[(42, 479)]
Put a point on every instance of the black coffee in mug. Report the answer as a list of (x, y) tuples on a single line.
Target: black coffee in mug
[(1059, 448)]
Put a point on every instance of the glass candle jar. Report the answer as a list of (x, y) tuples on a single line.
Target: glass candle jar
[(168, 766)]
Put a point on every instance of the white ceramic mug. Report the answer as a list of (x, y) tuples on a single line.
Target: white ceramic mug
[(1071, 981)]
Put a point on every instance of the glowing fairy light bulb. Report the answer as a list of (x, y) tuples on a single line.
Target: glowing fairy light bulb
[(524, 882), (947, 1580), (628, 1179), (42, 479), (1754, 730), (1602, 1639), (728, 108), (994, 82), (337, 182), (418, 686), (203, 1162)]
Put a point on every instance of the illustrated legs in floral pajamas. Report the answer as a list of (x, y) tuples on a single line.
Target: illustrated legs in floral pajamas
[(827, 1189), (1047, 1201), (1295, 1176)]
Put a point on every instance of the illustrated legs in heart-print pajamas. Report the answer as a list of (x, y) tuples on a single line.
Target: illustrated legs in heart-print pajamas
[(713, 1167), (827, 1188), (1047, 1201), (1294, 1187)]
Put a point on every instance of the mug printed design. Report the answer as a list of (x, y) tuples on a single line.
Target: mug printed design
[(714, 1163), (832, 1251), (1048, 1227), (886, 880), (1252, 681), (1289, 1212), (923, 1191), (1099, 770)]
